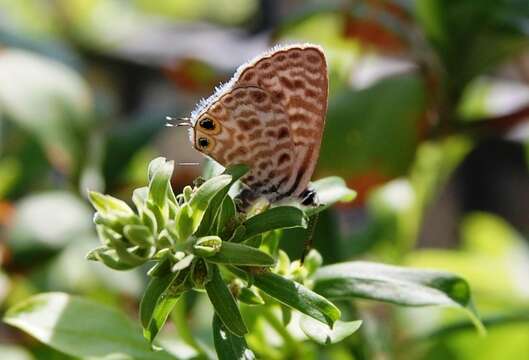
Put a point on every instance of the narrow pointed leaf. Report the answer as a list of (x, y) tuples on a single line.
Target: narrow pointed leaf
[(107, 204), (184, 263), (250, 297), (239, 254), (139, 235), (225, 213), (158, 301), (229, 346), (393, 284), (281, 217), (325, 335), (139, 197), (160, 176), (155, 165), (204, 195), (212, 213), (183, 225), (224, 303), (109, 257), (81, 328), (297, 296)]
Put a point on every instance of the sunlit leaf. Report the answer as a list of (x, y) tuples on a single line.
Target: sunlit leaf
[(224, 303), (323, 334), (159, 184), (80, 327), (398, 285), (297, 296), (218, 212), (204, 195), (158, 300), (229, 346), (15, 352)]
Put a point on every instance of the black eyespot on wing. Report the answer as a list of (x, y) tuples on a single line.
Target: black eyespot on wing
[(203, 142), (207, 124)]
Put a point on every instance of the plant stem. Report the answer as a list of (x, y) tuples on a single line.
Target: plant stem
[(290, 343), (178, 317)]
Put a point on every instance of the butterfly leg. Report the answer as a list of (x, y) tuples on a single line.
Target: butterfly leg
[(245, 199), (307, 245), (309, 198)]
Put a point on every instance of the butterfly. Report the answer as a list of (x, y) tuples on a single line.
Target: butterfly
[(270, 116)]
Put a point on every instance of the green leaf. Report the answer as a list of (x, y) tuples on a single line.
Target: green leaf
[(15, 352), (139, 197), (183, 263), (80, 327), (200, 273), (224, 303), (397, 285), (160, 181), (163, 265), (323, 334), (229, 346), (281, 217), (225, 213), (110, 258), (155, 165), (204, 195), (211, 217), (139, 235), (125, 253), (109, 205), (250, 296), (158, 300), (239, 254), (330, 190), (160, 214), (148, 218), (313, 261), (286, 315), (183, 225), (297, 296), (392, 109)]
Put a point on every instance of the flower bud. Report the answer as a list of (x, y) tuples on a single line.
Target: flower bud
[(207, 246)]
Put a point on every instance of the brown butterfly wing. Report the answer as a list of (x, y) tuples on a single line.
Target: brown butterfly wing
[(252, 129), (296, 78)]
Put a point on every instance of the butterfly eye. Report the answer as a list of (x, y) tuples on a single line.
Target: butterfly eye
[(207, 124), (203, 142)]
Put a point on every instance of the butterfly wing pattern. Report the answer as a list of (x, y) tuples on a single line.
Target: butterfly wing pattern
[(269, 116)]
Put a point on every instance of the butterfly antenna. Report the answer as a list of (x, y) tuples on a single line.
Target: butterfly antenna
[(173, 121), (189, 163)]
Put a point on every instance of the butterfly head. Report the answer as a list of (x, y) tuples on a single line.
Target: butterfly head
[(203, 133)]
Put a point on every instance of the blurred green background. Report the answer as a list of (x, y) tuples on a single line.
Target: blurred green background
[(428, 121)]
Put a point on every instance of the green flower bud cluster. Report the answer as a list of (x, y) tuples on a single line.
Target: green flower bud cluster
[(164, 228), (197, 238), (129, 238)]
